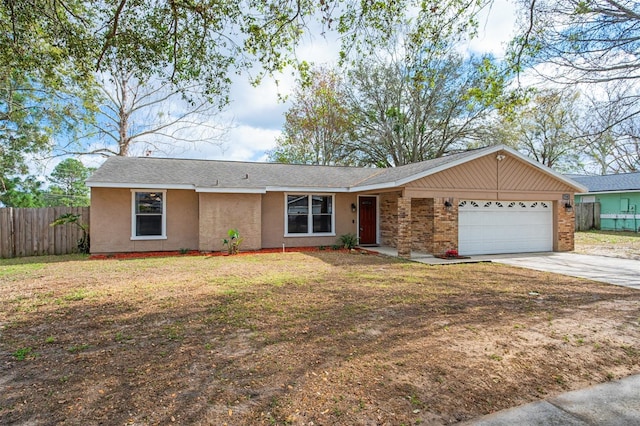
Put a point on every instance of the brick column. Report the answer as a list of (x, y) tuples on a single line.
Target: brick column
[(404, 227), (565, 226), (445, 226)]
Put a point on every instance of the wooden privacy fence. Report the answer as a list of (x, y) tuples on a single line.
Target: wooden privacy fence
[(28, 232), (587, 216)]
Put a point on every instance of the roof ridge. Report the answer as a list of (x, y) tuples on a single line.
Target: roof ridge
[(333, 166), (379, 172)]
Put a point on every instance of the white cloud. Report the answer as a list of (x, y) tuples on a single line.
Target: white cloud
[(497, 25), (242, 143)]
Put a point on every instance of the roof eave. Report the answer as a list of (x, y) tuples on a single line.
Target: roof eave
[(138, 185), (307, 189), (616, 191), (230, 190)]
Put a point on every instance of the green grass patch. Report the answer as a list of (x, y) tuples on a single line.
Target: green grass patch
[(78, 348), (23, 353)]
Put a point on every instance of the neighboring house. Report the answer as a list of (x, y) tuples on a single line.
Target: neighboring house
[(619, 198), (489, 200)]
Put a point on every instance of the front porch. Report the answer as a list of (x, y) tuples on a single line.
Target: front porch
[(416, 227), (427, 258)]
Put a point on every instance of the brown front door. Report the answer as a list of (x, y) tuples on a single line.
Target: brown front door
[(367, 220)]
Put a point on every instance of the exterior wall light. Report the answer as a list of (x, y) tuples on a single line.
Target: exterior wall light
[(353, 207), (448, 205), (568, 207)]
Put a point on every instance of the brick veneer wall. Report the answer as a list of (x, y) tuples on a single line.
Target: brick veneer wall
[(432, 228), (422, 224), (389, 218), (404, 239), (565, 227), (445, 226)]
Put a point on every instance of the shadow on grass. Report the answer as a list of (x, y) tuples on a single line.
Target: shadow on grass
[(43, 259)]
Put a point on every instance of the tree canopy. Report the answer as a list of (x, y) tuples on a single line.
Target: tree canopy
[(319, 125), (204, 40), (410, 100), (66, 187)]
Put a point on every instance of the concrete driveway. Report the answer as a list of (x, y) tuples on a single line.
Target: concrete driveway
[(612, 270)]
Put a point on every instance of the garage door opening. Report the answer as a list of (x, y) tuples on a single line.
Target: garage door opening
[(493, 227)]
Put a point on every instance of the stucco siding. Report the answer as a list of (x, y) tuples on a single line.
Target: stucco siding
[(273, 231), (221, 212), (111, 222)]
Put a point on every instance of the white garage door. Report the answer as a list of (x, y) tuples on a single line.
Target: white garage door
[(490, 227)]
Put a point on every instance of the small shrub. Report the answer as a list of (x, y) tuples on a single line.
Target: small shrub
[(349, 241), (233, 241), (84, 245)]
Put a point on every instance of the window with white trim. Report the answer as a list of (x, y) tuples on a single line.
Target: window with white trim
[(148, 215), (309, 214)]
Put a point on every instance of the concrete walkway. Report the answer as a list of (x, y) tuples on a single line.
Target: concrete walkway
[(610, 404), (612, 270)]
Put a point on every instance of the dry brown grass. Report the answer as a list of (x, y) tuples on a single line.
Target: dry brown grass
[(622, 244), (324, 337)]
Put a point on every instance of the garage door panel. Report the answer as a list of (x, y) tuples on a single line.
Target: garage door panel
[(486, 227)]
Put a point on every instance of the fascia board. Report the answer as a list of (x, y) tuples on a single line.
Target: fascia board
[(138, 185), (621, 191), (306, 189), (374, 187), (232, 190)]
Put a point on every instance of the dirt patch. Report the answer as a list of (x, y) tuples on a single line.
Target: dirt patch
[(299, 338)]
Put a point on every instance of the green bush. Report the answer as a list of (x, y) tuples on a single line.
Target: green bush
[(349, 241)]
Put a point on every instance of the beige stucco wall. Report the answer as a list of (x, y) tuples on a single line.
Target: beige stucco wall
[(221, 212), (273, 206), (111, 222)]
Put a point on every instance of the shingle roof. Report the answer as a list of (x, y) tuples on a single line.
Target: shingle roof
[(619, 182), (223, 174), (399, 174), (214, 175)]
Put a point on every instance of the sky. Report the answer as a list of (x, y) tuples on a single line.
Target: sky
[(255, 116)]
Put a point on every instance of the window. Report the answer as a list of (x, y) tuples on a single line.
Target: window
[(309, 214), (149, 219)]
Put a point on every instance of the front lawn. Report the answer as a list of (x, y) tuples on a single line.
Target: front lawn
[(623, 244), (324, 337)]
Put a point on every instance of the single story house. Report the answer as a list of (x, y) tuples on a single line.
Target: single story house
[(488, 200), (619, 198)]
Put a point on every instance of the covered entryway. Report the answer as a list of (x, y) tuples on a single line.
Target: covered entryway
[(490, 227), (367, 220)]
